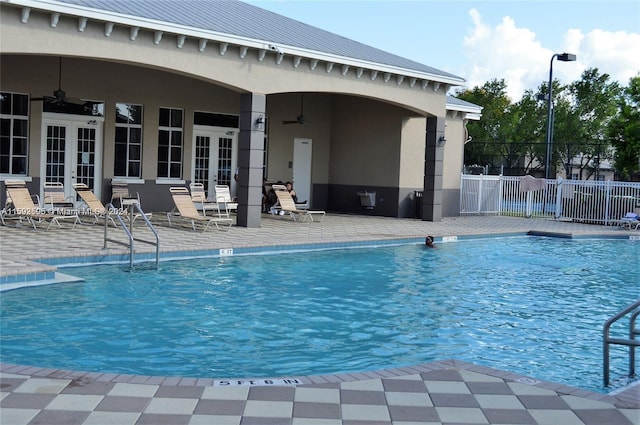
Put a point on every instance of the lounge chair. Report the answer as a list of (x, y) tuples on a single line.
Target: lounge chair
[(223, 193), (631, 221), (187, 211), (94, 205), (25, 208), (275, 208), (123, 198), (55, 202), (9, 210), (199, 198), (288, 206)]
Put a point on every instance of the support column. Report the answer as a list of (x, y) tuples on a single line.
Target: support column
[(250, 157), (433, 170)]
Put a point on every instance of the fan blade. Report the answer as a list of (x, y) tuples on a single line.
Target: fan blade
[(43, 98), (74, 100), (290, 122)]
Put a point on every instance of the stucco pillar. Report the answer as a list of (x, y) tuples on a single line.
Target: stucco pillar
[(433, 169), (250, 156)]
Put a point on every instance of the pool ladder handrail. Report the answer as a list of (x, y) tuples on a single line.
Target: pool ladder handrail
[(129, 230), (632, 342)]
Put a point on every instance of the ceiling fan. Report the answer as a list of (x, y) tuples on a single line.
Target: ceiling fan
[(300, 119), (59, 96)]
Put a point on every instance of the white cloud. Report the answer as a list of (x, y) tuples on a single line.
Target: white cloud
[(515, 55)]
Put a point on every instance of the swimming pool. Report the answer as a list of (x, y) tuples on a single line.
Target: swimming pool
[(531, 305)]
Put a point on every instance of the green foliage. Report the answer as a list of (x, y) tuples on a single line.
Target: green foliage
[(590, 117), (624, 131)]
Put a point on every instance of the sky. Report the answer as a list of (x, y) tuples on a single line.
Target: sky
[(483, 40)]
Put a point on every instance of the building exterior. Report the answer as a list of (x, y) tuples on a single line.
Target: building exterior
[(166, 93)]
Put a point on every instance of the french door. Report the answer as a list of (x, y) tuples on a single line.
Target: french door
[(214, 157), (72, 152)]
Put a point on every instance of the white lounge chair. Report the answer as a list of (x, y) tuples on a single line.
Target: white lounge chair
[(124, 198), (188, 212), (200, 200), (224, 194), (55, 202), (288, 206)]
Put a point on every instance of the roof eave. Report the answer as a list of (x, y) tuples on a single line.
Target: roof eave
[(155, 25)]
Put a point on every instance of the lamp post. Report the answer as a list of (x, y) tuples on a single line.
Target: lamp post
[(564, 57)]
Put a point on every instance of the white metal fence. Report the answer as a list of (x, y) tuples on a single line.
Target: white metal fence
[(576, 200)]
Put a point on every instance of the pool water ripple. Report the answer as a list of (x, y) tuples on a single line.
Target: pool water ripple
[(532, 305)]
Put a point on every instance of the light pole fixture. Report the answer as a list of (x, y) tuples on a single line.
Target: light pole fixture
[(564, 57)]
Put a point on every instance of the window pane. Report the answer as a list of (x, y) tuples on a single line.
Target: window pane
[(4, 164), (20, 128), (163, 138), (20, 104), (134, 152), (163, 169), (20, 147), (135, 135), (119, 168), (176, 118), (163, 153), (176, 138), (134, 169), (121, 135), (5, 145), (164, 117), (19, 165), (175, 170), (5, 127), (120, 152), (5, 103)]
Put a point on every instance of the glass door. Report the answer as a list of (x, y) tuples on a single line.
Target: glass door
[(214, 158), (72, 153)]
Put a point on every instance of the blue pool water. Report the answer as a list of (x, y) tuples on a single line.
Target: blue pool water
[(530, 305)]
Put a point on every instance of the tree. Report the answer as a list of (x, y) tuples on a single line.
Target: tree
[(489, 133), (624, 132), (582, 115)]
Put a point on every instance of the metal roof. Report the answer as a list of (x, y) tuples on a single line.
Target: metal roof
[(247, 24)]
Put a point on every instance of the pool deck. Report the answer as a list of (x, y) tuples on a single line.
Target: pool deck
[(444, 392)]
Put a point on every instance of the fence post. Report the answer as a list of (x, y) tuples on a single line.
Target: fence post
[(479, 207), (500, 191), (607, 185), (558, 183)]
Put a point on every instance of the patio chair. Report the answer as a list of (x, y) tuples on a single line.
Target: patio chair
[(275, 208), (54, 200), (631, 221), (94, 205), (199, 198), (288, 206), (188, 212), (9, 210), (123, 198), (223, 193), (25, 208)]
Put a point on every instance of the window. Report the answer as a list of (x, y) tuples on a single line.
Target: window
[(14, 133), (170, 143), (128, 141)]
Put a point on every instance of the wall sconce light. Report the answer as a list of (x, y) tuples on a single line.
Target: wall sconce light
[(442, 140), (260, 123)]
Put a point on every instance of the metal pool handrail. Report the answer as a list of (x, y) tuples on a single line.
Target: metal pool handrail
[(632, 343), (129, 233)]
